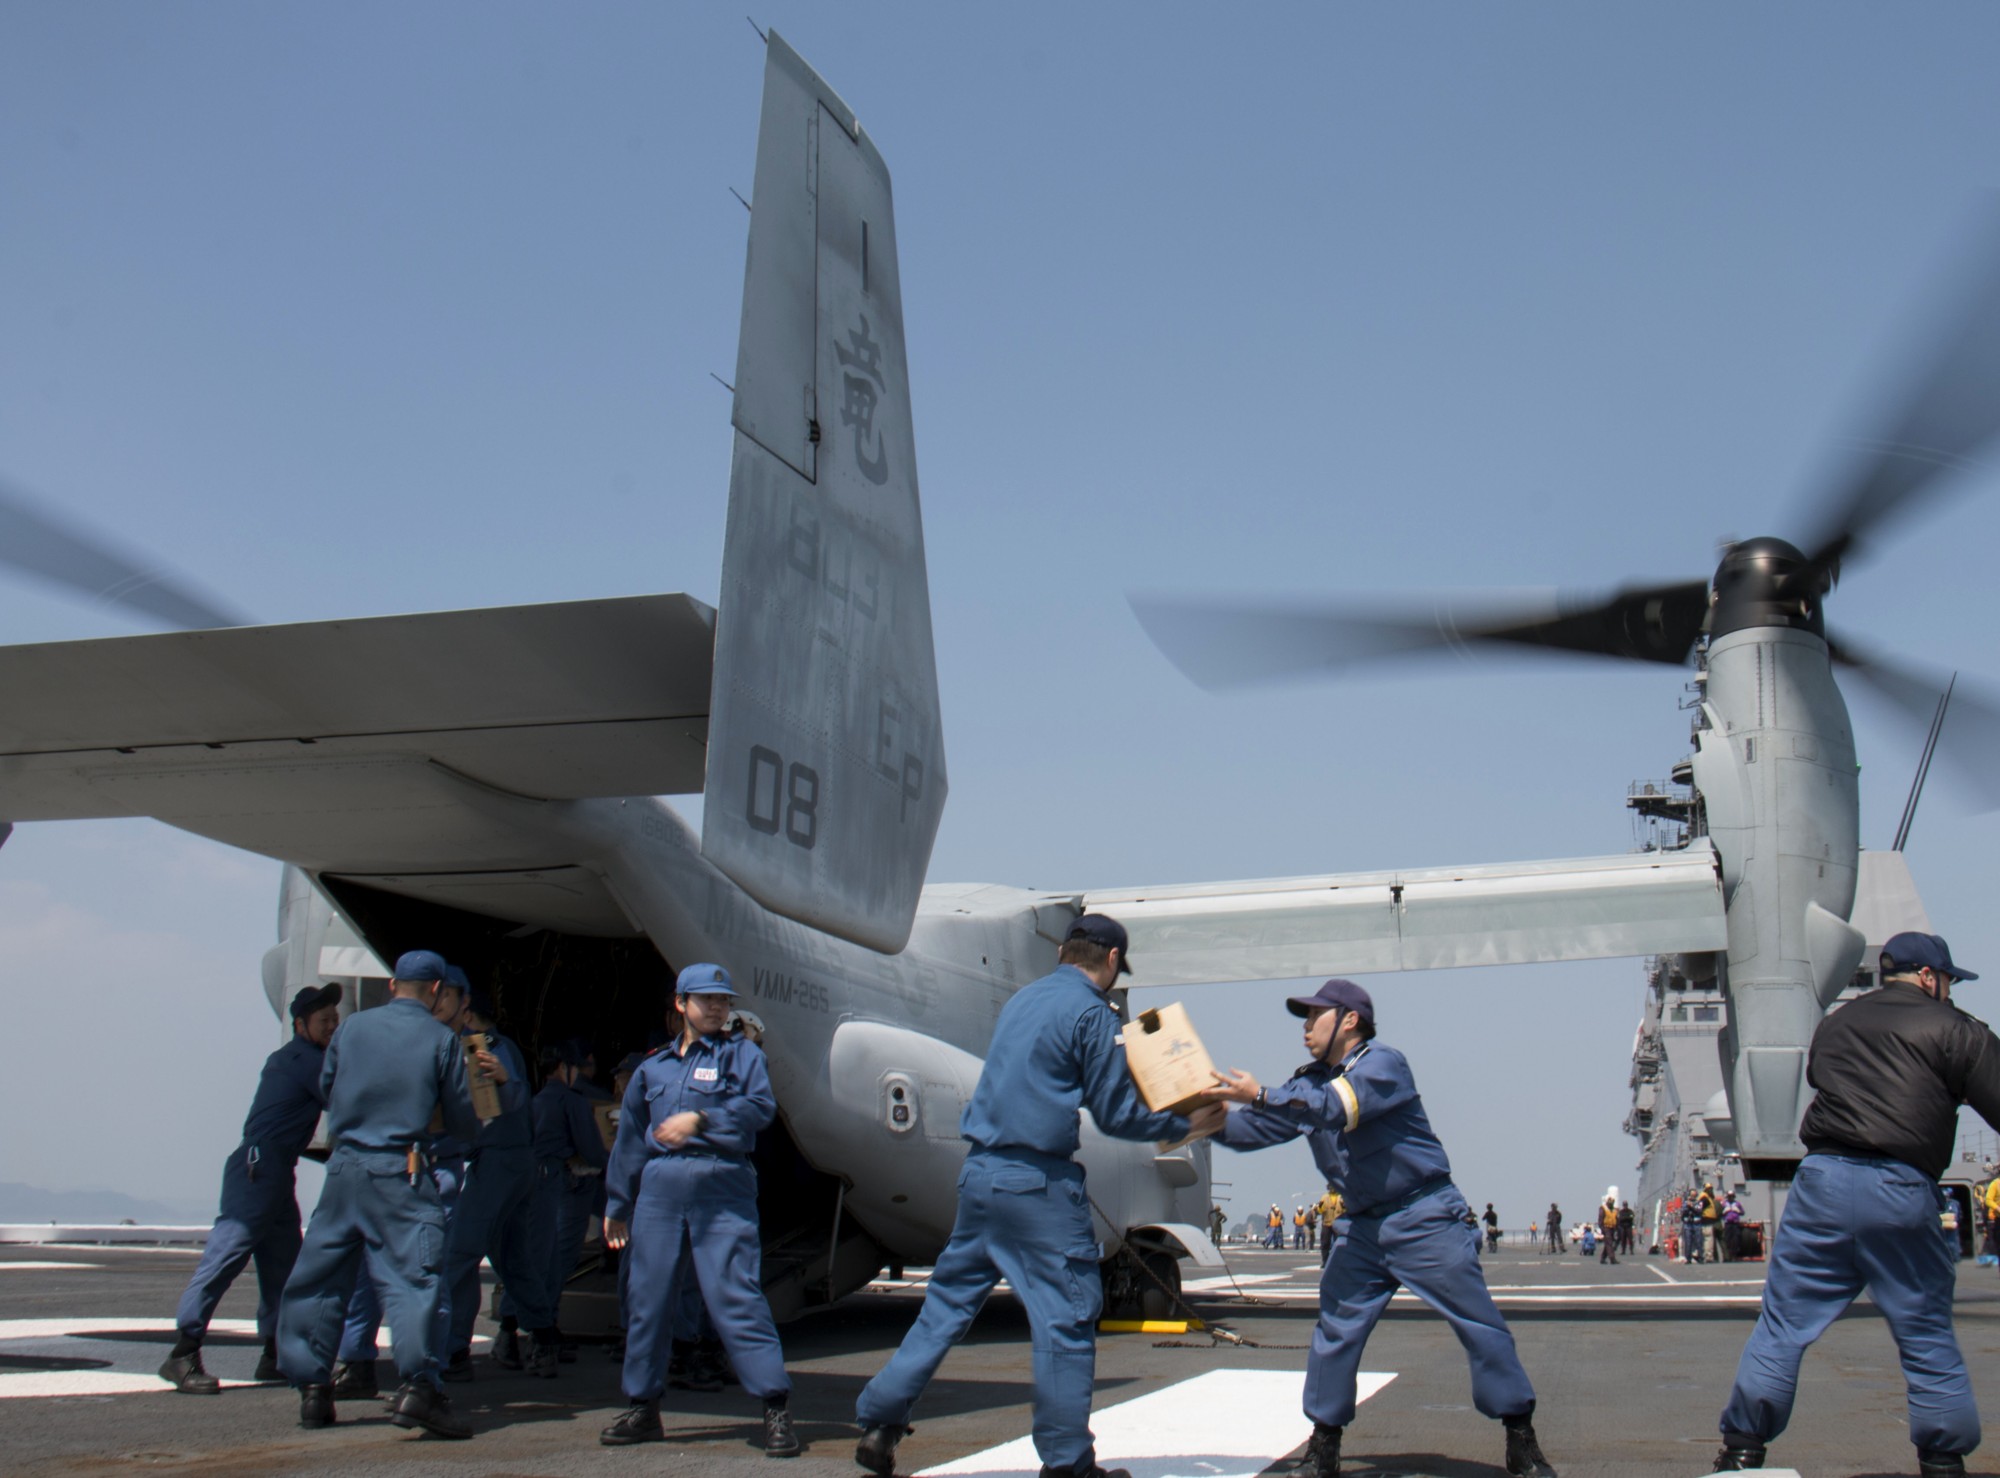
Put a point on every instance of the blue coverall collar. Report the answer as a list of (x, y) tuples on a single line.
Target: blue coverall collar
[(1089, 984)]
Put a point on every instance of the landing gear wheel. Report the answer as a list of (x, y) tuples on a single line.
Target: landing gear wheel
[(1121, 1287)]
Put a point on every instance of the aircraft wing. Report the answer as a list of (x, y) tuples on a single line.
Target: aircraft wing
[(373, 745), (1428, 919)]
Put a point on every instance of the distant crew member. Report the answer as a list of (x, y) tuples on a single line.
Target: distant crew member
[(1492, 1221), (1358, 1106), (492, 1220), (1711, 1222), (569, 1171), (682, 1192), (259, 1215), (1732, 1228), (387, 1072), (1554, 1228), (1023, 1214), (1607, 1230), (354, 1375), (1331, 1210), (1890, 1069)]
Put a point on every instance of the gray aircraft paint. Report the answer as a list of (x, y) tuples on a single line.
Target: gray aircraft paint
[(826, 774), (1774, 764)]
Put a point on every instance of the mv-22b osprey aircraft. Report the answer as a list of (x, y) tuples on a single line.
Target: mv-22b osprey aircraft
[(483, 782)]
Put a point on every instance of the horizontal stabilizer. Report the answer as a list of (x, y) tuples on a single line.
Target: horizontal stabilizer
[(1429, 919), (362, 744)]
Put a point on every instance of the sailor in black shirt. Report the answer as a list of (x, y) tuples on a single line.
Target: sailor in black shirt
[(1891, 1069)]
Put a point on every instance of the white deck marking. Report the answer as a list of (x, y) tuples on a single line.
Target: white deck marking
[(6, 1267), (162, 1325), (1524, 1293), (1225, 1281), (86, 1383), (1660, 1275), (1225, 1424), (23, 1383), (1602, 1287)]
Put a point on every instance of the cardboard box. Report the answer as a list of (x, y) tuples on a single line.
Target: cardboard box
[(485, 1092), (1167, 1059), (606, 1115)]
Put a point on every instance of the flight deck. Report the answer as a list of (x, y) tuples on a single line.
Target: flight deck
[(1631, 1363)]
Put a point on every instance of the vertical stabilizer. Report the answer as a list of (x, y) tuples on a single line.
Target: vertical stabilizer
[(826, 773)]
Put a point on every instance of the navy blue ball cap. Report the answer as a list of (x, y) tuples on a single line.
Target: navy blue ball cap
[(313, 998), (629, 1063), (455, 976), (421, 964), (704, 980), (480, 1001), (1102, 929), (1908, 953), (1343, 995)]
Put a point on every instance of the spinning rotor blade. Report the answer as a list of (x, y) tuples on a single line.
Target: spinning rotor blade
[(1223, 646), (44, 546), (1948, 414), (1969, 741)]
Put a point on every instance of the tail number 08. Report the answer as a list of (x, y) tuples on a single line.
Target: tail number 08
[(783, 800)]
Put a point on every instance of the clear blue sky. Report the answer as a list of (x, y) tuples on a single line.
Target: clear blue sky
[(372, 308)]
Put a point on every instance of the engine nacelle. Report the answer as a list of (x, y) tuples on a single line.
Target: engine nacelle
[(897, 1097)]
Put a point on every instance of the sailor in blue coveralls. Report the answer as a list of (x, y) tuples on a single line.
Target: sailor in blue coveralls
[(681, 1196), (354, 1375), (1023, 1214), (1403, 1224), (387, 1072), (1890, 1070), (565, 1137), (259, 1215), (492, 1220)]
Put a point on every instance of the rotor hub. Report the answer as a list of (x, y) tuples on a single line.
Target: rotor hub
[(1768, 582)]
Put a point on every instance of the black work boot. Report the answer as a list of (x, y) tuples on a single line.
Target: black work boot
[(355, 1381), (779, 1438), (507, 1350), (267, 1363), (458, 1368), (876, 1451), (1524, 1453), (1740, 1452), (1322, 1459), (315, 1406), (1084, 1470), (542, 1356), (1934, 1464), (640, 1423), (187, 1376), (421, 1404)]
